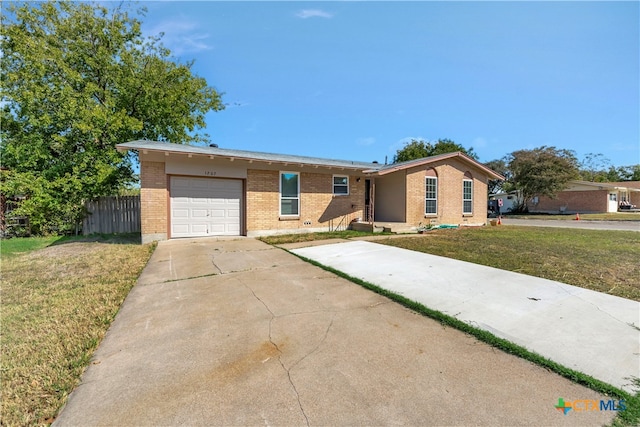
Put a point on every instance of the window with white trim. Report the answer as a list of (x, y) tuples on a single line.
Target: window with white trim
[(431, 196), (289, 194), (340, 185), (467, 196)]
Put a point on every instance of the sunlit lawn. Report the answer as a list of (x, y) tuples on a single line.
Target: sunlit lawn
[(57, 303)]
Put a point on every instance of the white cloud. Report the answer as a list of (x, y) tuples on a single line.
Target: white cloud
[(617, 146), (366, 141), (182, 36), (479, 142), (313, 13)]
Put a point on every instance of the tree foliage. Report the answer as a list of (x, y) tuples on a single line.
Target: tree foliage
[(496, 186), (597, 168), (76, 80), (543, 171), (418, 148)]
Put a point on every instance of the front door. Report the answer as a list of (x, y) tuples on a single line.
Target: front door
[(613, 202)]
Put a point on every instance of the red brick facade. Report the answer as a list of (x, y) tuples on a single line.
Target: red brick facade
[(450, 176), (319, 208), (399, 194), (593, 201)]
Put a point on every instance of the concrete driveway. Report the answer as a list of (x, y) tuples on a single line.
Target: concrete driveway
[(236, 332), (591, 332)]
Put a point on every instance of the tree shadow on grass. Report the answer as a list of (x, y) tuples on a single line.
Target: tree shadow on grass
[(113, 239)]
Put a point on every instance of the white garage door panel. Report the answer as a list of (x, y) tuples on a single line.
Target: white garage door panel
[(199, 213), (205, 207)]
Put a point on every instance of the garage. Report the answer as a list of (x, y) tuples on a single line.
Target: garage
[(205, 207)]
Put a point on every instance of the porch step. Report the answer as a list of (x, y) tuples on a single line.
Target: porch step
[(379, 227), (397, 228), (365, 226)]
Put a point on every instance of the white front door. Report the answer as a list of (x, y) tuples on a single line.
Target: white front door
[(205, 207), (613, 202)]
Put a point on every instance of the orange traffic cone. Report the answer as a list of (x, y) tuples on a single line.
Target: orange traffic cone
[(577, 217), (499, 220)]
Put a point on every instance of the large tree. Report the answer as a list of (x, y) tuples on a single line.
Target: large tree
[(594, 167), (494, 185), (77, 79), (418, 148), (543, 171)]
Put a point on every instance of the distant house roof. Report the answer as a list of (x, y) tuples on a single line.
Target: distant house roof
[(627, 184), (364, 167), (620, 185)]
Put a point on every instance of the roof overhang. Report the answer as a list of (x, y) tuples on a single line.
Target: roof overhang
[(169, 149), (606, 186)]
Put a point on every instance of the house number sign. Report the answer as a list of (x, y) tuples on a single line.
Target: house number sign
[(209, 173)]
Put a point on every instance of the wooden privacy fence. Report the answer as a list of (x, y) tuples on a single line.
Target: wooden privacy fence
[(114, 214)]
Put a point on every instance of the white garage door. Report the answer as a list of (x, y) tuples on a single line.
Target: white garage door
[(205, 207)]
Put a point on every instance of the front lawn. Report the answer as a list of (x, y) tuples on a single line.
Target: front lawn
[(59, 297), (614, 216)]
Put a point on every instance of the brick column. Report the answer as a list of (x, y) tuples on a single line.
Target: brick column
[(153, 201)]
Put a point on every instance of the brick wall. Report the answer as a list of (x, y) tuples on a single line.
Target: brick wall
[(319, 208), (153, 197), (573, 201), (450, 175)]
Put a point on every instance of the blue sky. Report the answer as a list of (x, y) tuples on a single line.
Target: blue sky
[(356, 80)]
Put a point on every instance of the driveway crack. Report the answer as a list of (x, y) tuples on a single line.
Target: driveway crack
[(590, 303), (287, 370), (326, 333), (213, 261)]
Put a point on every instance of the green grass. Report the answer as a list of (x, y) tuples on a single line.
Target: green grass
[(308, 237), (604, 261), (614, 216), (629, 417), (57, 303), (17, 245)]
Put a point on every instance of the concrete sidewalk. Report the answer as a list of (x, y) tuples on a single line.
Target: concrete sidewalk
[(237, 332), (588, 331)]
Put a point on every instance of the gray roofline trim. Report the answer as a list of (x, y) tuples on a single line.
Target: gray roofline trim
[(365, 168), (394, 167), (165, 147)]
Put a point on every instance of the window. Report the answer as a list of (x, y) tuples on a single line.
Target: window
[(289, 193), (431, 196), (340, 185), (467, 196)]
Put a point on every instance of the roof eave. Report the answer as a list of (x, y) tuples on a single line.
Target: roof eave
[(124, 147), (426, 160)]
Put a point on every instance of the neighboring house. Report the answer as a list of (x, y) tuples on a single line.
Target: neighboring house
[(589, 197), (189, 191), (506, 202)]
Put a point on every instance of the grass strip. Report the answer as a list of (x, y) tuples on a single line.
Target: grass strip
[(629, 417)]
